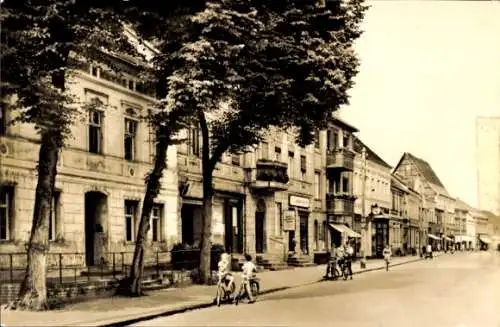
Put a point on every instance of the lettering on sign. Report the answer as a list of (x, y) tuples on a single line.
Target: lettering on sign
[(289, 220), (298, 201)]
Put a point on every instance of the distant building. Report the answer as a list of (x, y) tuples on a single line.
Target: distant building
[(488, 163), (420, 176), (466, 236)]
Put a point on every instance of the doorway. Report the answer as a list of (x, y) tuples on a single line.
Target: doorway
[(187, 222), (95, 227), (304, 232), (260, 222), (233, 222)]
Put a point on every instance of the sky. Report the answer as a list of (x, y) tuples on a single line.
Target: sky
[(428, 68)]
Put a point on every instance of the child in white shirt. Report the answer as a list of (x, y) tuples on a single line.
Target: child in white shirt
[(248, 271), (223, 273)]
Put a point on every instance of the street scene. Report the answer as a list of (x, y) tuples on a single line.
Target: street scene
[(244, 163), (456, 290)]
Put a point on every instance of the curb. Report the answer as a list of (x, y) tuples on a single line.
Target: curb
[(191, 307)]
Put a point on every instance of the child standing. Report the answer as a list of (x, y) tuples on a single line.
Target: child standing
[(223, 273), (248, 271)]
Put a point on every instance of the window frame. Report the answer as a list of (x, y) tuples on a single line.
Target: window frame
[(317, 186), (159, 219), (133, 219), (54, 219), (127, 134), (99, 126), (5, 193)]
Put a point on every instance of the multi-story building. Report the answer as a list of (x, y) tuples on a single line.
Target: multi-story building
[(465, 238), (436, 203), (483, 228), (340, 164), (372, 190), (100, 181), (488, 163)]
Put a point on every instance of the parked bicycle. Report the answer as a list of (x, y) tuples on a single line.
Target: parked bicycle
[(224, 291)]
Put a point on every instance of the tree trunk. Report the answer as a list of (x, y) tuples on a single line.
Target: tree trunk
[(206, 230), (33, 292), (132, 286)]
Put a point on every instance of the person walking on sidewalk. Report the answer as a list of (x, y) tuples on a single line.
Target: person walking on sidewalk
[(429, 251), (349, 255), (387, 253)]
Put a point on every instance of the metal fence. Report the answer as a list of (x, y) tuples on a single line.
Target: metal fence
[(71, 267)]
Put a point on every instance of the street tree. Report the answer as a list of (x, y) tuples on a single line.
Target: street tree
[(42, 44), (251, 65)]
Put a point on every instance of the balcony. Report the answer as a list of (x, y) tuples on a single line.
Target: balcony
[(270, 176), (340, 160), (340, 204)]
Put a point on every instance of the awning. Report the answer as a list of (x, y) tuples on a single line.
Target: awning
[(448, 238), (485, 239), (345, 230), (463, 238), (434, 237)]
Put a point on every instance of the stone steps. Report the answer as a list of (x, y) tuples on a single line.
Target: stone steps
[(300, 261)]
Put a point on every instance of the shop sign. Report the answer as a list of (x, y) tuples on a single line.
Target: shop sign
[(289, 219), (298, 201)]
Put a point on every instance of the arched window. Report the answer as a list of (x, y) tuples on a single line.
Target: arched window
[(323, 231)]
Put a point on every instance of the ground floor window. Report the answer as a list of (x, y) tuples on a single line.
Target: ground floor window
[(55, 214), (6, 196), (156, 222), (131, 210)]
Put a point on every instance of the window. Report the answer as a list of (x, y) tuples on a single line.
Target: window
[(3, 119), (345, 185), (236, 159), (277, 153), (303, 166), (129, 139), (94, 71), (345, 142), (291, 166), (264, 150), (54, 216), (95, 131), (329, 144), (316, 139), (130, 219), (130, 84), (323, 231), (279, 214), (156, 214), (194, 141), (5, 212), (316, 231), (317, 185), (335, 140)]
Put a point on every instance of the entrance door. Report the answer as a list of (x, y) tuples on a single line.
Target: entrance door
[(259, 231), (187, 218), (95, 222), (291, 241), (381, 237), (304, 232)]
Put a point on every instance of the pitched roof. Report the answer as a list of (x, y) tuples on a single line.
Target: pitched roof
[(426, 170), (396, 182), (462, 205), (370, 154)]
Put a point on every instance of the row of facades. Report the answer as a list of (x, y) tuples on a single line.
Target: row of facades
[(281, 198)]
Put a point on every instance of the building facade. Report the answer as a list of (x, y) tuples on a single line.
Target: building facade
[(372, 190), (100, 181), (488, 163), (465, 238)]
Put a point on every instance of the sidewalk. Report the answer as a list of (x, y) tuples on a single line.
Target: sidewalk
[(117, 311)]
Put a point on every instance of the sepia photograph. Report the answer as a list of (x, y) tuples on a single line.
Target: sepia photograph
[(195, 162)]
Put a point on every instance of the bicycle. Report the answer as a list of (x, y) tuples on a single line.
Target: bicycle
[(254, 288), (223, 292)]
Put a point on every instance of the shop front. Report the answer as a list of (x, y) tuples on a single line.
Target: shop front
[(387, 230), (484, 242), (434, 241), (299, 238)]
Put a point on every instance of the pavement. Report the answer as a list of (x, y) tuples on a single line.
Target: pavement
[(459, 290), (119, 311)]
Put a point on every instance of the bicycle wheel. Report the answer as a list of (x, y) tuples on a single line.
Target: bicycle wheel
[(255, 290), (238, 296), (345, 272)]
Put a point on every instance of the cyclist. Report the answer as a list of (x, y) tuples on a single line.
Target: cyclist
[(387, 253), (248, 272)]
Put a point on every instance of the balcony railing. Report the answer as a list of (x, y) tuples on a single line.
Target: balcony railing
[(341, 159), (270, 175), (340, 204)]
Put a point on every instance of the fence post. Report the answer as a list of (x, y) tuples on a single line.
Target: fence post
[(157, 264), (60, 268), (11, 268)]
